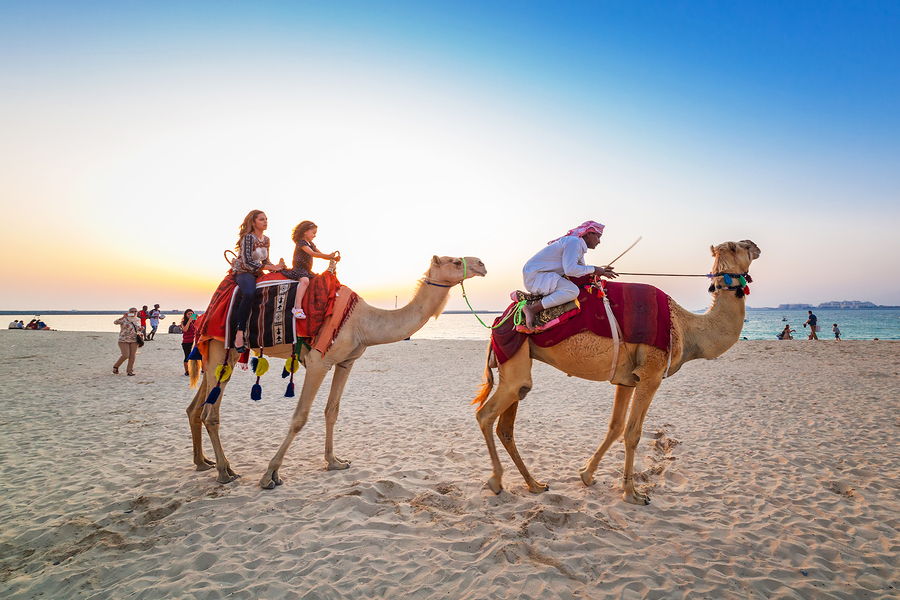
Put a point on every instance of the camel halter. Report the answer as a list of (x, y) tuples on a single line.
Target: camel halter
[(517, 311)]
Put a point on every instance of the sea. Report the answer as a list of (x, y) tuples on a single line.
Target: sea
[(760, 324)]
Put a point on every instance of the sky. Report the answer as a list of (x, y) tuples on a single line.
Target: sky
[(135, 136)]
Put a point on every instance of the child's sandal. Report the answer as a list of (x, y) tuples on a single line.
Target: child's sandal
[(298, 313)]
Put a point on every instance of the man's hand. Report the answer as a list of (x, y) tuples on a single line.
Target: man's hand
[(605, 272)]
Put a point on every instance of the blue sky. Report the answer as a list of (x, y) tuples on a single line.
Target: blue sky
[(136, 136)]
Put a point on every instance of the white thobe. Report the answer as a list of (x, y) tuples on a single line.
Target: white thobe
[(544, 272)]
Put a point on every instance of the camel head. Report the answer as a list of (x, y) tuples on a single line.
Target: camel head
[(734, 257), (451, 270)]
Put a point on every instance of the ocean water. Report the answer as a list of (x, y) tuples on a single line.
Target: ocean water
[(760, 324)]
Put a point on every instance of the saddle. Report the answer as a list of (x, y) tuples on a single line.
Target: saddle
[(547, 318)]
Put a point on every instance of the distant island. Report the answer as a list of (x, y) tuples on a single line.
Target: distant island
[(834, 304)]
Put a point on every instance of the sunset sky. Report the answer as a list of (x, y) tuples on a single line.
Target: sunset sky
[(134, 137)]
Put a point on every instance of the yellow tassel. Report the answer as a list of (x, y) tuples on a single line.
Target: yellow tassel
[(262, 366)]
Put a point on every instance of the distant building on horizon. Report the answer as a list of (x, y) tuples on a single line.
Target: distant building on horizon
[(848, 304)]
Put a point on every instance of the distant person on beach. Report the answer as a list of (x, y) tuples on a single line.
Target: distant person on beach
[(32, 324), (545, 273), (143, 316), (252, 259), (836, 331), (129, 330), (786, 333), (155, 316), (811, 321), (14, 325), (21, 324), (174, 328), (304, 253), (188, 331)]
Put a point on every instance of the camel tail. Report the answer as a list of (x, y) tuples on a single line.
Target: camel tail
[(487, 382), (194, 371)]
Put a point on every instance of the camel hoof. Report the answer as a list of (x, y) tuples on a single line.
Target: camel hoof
[(338, 465), (224, 479), (206, 466), (495, 485), (636, 498), (587, 478), (267, 486), (539, 488)]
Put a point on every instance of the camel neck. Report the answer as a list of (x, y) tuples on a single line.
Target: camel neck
[(722, 323), (393, 325)]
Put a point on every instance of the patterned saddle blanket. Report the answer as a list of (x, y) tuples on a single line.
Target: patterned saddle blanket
[(271, 322), (641, 312)]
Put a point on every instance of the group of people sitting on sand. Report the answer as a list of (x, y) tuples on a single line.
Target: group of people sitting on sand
[(252, 258), (35, 323)]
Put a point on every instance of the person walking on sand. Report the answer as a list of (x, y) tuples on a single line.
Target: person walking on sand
[(836, 331), (811, 321), (188, 331), (129, 330), (155, 316), (252, 258), (304, 253), (546, 272)]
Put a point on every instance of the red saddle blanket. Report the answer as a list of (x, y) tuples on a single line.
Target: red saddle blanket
[(641, 310), (270, 319)]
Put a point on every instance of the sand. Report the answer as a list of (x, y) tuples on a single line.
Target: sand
[(774, 472)]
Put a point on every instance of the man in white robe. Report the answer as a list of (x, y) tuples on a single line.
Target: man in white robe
[(545, 273)]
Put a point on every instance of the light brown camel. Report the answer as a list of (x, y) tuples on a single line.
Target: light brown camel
[(365, 326), (639, 371)]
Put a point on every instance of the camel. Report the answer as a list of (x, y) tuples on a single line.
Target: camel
[(365, 326), (639, 371)]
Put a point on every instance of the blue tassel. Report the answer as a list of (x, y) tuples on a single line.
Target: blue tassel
[(195, 354), (289, 392), (284, 372), (213, 395), (727, 279), (256, 392), (253, 362)]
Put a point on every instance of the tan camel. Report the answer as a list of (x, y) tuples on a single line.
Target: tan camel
[(639, 371), (365, 326)]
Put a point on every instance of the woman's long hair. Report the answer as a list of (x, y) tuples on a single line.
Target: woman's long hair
[(247, 226), (300, 229), (184, 319)]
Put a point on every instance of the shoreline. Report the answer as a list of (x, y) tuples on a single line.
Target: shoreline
[(771, 471)]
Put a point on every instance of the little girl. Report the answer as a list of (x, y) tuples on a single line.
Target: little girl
[(304, 252)]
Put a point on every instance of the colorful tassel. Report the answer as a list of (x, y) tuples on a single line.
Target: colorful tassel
[(727, 279), (195, 354), (253, 362), (289, 392), (284, 372), (256, 391), (214, 395), (262, 365)]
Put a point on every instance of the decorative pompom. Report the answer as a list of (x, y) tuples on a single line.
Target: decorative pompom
[(712, 288), (289, 392), (749, 279), (253, 362), (739, 292), (292, 364), (256, 391), (746, 290), (222, 372), (284, 372), (727, 279), (213, 395), (262, 366), (195, 354), (743, 281)]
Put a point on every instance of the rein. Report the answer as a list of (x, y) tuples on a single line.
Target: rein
[(517, 310)]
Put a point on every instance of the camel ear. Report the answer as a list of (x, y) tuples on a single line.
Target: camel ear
[(435, 260), (751, 247), (712, 250)]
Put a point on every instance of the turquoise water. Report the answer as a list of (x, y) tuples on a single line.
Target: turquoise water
[(854, 324), (760, 325)]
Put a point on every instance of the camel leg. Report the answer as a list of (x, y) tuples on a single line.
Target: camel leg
[(315, 375), (193, 412), (515, 383), (209, 413), (341, 374), (644, 393), (616, 427), (505, 433)]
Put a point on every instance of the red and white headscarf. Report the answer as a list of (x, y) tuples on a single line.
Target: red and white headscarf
[(582, 229)]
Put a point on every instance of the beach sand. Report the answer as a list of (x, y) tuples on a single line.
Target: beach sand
[(774, 472)]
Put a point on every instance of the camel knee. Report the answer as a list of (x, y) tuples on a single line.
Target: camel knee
[(523, 391)]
